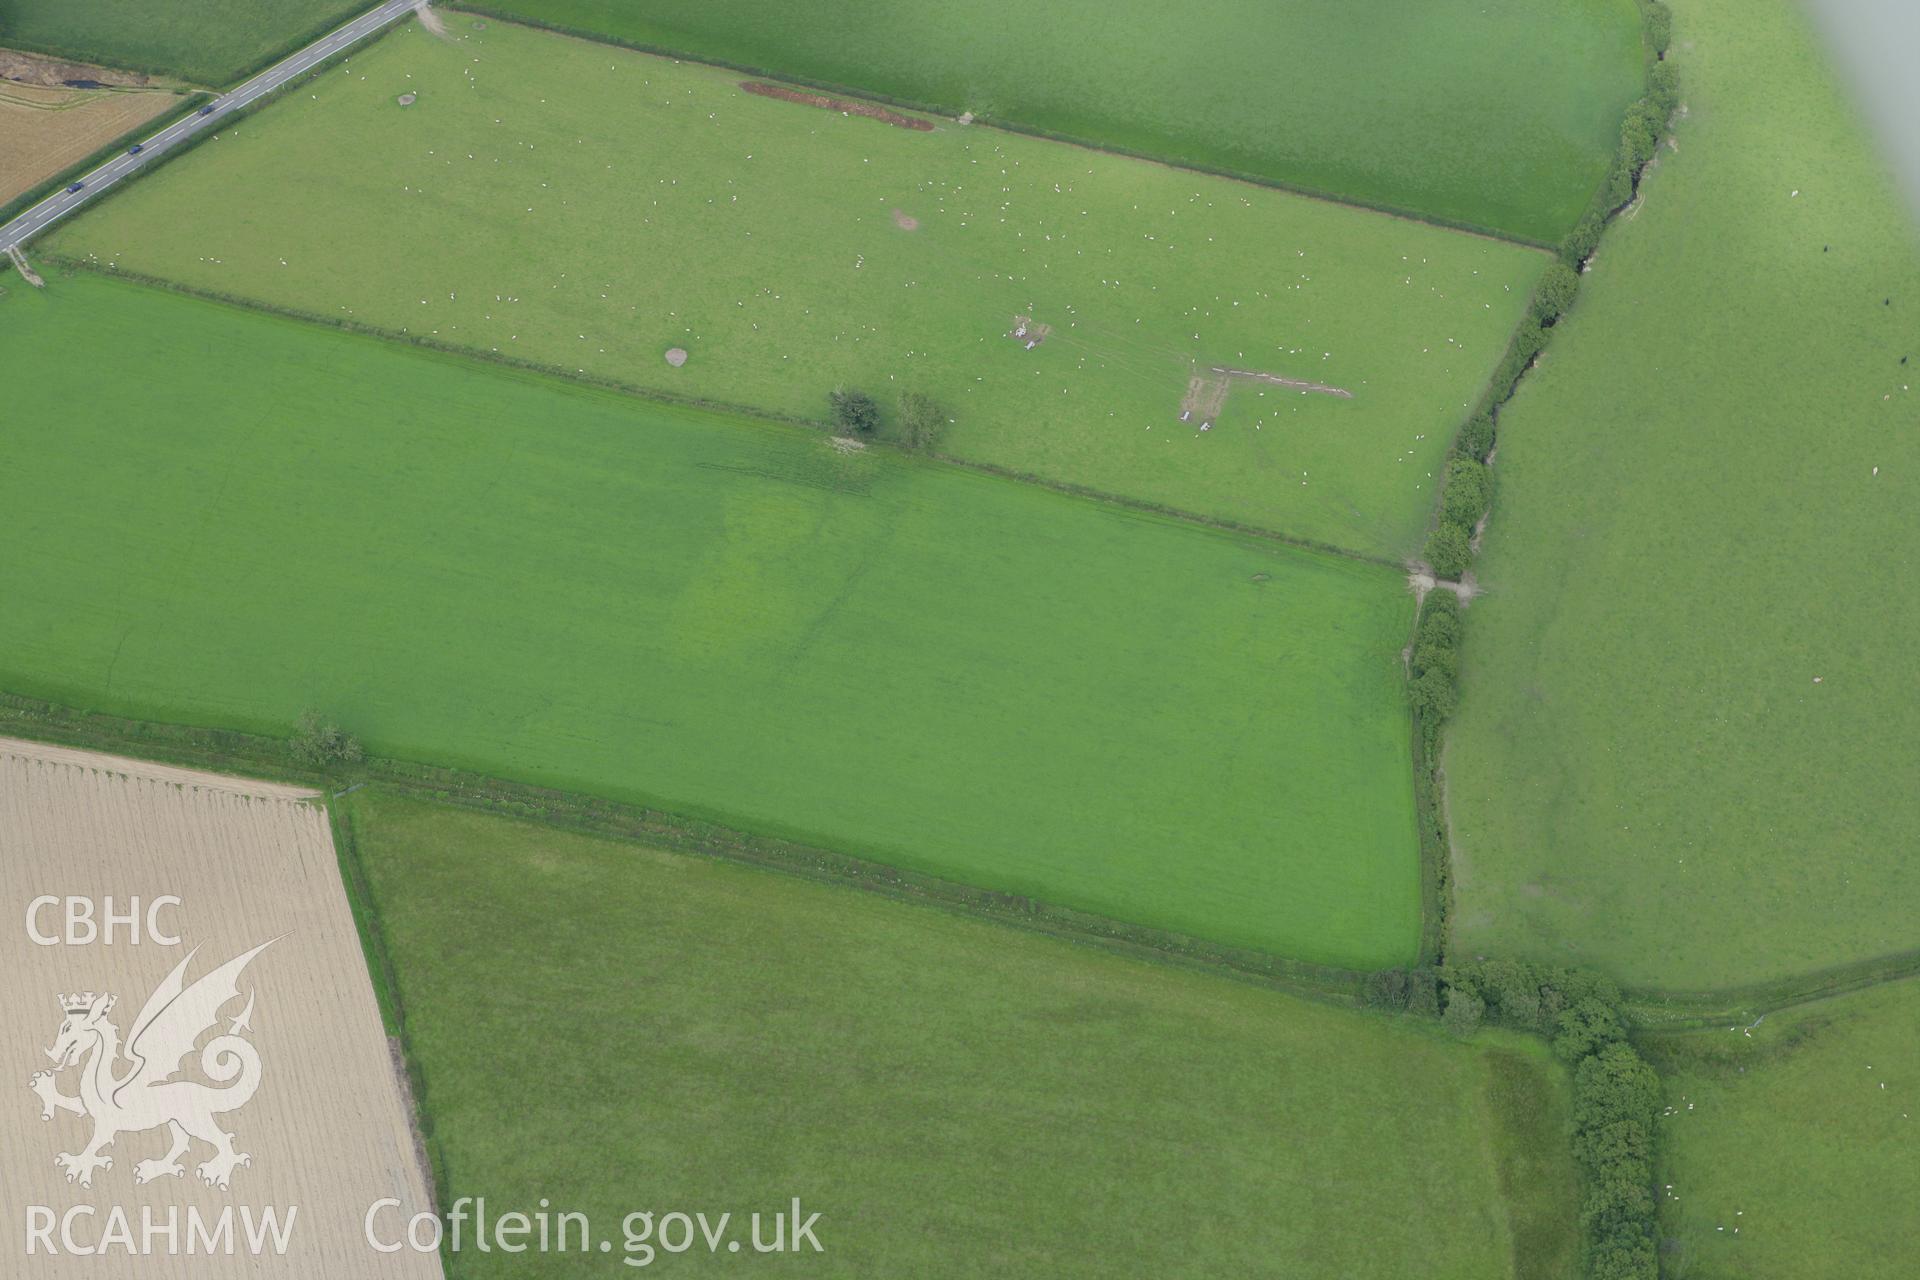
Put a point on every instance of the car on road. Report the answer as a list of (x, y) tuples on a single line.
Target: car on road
[(136, 148), (206, 111), (75, 186)]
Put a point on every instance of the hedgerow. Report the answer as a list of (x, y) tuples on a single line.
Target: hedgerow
[(1467, 485), (1616, 1094), (1435, 663), (1449, 549)]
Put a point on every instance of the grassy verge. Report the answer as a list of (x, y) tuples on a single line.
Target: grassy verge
[(366, 923), (195, 100)]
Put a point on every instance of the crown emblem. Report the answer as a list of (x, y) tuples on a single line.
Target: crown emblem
[(80, 1002)]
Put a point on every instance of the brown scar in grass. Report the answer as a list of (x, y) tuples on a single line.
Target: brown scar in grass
[(905, 221), (846, 106), (1204, 399), (1207, 390)]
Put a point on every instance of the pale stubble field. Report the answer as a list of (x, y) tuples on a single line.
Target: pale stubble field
[(327, 1131)]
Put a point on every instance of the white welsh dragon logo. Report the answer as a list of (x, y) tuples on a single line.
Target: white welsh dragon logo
[(144, 1095)]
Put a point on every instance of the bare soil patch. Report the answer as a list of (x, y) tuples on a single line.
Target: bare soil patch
[(25, 268), (1207, 390), (846, 106), (1028, 332), (429, 19), (1206, 396), (905, 221), (1420, 581)]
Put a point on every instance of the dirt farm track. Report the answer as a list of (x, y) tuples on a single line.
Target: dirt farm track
[(294, 1030)]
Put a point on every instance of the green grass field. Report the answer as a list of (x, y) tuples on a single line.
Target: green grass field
[(210, 42), (1801, 1136), (954, 1097), (587, 208), (1688, 696), (239, 516), (1495, 113)]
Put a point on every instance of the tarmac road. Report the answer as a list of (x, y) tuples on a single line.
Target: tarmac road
[(123, 166)]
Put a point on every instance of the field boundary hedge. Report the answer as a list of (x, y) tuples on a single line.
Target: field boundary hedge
[(990, 121), (1616, 1096), (1616, 1091), (258, 755), (370, 924), (1465, 498), (1144, 506)]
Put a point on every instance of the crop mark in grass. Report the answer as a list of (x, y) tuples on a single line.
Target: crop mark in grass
[(845, 106), (115, 660), (647, 574)]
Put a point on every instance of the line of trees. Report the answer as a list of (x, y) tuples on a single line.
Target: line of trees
[(320, 743), (1449, 549), (1616, 1095), (916, 424), (1434, 688)]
